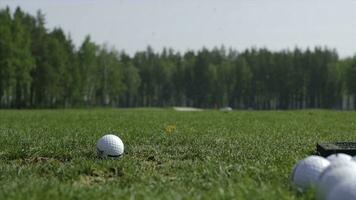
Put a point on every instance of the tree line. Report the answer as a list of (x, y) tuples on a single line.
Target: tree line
[(41, 68)]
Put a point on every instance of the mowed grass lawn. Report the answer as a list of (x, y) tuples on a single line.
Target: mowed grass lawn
[(50, 154)]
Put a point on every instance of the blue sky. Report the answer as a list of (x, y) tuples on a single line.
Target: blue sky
[(191, 24)]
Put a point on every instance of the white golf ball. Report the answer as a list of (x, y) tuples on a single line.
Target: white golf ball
[(334, 174), (345, 190), (306, 172), (110, 146), (339, 157)]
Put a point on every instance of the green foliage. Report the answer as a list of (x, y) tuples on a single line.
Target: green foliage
[(168, 155), (110, 78), (41, 68), (131, 81), (7, 72)]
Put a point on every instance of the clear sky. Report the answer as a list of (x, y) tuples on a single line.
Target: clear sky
[(191, 24)]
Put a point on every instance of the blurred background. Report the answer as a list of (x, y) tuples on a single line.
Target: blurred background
[(246, 54)]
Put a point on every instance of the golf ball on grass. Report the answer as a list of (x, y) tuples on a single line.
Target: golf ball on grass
[(345, 190), (110, 146), (307, 171), (333, 175), (339, 157)]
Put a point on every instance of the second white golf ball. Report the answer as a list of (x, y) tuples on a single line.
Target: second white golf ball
[(332, 175), (339, 157), (345, 190)]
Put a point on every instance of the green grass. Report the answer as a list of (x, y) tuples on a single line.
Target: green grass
[(50, 154)]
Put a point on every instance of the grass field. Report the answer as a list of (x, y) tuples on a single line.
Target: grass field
[(50, 154)]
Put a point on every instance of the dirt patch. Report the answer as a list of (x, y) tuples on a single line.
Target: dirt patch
[(154, 159), (95, 176), (40, 160)]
